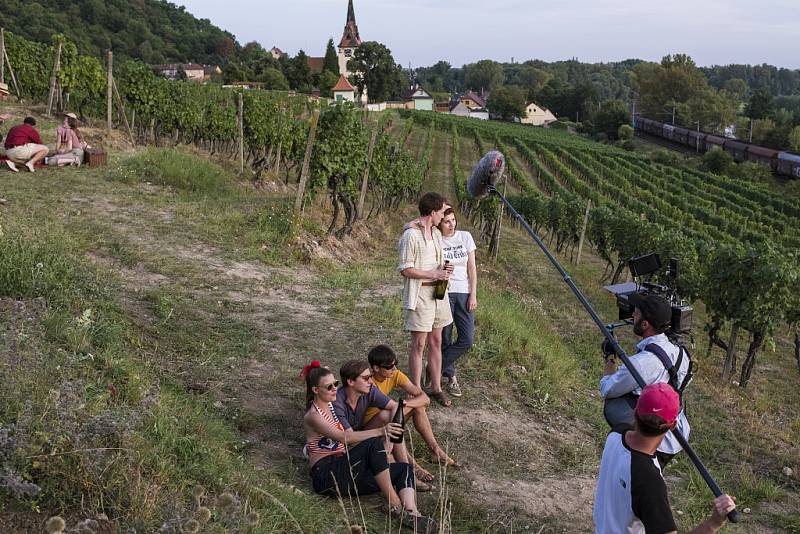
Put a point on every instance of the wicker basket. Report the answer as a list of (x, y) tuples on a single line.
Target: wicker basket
[(95, 157)]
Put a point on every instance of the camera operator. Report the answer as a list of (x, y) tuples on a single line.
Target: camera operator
[(652, 316)]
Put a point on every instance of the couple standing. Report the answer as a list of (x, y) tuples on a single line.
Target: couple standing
[(425, 245)]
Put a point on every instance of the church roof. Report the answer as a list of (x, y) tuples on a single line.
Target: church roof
[(343, 85), (350, 37)]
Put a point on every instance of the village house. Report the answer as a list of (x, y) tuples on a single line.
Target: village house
[(418, 98), (537, 115), (474, 100), (276, 52), (193, 71), (344, 90)]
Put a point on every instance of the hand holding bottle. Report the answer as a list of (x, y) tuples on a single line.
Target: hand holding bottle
[(393, 430)]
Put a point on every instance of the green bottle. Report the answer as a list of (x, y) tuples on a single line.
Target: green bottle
[(441, 286)]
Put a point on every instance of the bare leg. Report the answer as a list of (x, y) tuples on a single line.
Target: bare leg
[(418, 340), (409, 500), (39, 156), (384, 482), (435, 359), (423, 426)]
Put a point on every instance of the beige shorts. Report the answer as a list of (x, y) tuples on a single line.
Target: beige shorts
[(429, 313), (24, 152)]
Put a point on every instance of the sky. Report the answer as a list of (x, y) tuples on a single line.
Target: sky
[(421, 33)]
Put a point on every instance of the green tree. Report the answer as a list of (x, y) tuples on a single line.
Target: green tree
[(609, 118), (794, 139), (331, 62), (508, 102), (298, 73), (273, 79), (737, 87), (485, 74), (759, 106), (717, 161), (625, 132), (376, 69), (327, 80)]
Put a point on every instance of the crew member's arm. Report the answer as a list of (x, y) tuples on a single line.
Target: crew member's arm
[(616, 382), (351, 437), (723, 505), (472, 276)]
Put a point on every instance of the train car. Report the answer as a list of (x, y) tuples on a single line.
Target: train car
[(714, 140), (763, 155), (737, 149), (668, 132), (789, 164), (681, 135), (696, 140)]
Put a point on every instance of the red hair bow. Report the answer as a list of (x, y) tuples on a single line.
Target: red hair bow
[(307, 369)]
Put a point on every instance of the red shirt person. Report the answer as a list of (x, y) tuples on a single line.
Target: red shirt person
[(23, 145)]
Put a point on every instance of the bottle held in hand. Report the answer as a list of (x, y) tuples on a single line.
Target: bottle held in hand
[(441, 285), (400, 419)]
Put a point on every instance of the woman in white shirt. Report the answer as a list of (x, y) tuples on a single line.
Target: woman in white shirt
[(458, 248)]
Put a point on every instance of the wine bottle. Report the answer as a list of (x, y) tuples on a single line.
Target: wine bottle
[(400, 419), (441, 286)]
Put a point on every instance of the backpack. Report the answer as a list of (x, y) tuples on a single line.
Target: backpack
[(618, 411)]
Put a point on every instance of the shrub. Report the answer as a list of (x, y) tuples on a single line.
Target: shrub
[(717, 161), (625, 132), (173, 168)]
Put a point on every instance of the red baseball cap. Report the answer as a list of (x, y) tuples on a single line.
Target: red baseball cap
[(661, 400)]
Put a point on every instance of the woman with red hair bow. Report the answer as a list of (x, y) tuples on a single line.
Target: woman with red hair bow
[(354, 462)]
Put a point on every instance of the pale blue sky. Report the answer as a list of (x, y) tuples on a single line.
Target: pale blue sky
[(422, 32)]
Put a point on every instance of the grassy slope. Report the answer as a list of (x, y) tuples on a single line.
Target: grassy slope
[(201, 304)]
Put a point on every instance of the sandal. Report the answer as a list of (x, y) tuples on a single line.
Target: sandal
[(439, 397), (419, 523)]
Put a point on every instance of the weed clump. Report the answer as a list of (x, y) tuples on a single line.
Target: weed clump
[(176, 169)]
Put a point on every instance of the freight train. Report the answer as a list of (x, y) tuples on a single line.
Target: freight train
[(783, 163)]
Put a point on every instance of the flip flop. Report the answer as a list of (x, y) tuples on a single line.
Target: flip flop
[(439, 397)]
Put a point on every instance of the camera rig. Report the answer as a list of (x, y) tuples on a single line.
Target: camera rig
[(644, 269)]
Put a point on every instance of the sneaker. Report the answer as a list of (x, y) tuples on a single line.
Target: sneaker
[(11, 165), (29, 165), (453, 388)]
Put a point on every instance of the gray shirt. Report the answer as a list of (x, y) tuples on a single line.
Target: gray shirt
[(354, 419)]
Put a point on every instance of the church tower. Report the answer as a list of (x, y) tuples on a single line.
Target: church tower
[(350, 40)]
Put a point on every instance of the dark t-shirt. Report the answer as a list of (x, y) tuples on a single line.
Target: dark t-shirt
[(631, 495), (22, 134), (354, 418)]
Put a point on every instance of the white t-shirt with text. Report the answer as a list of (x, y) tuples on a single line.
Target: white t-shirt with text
[(456, 249)]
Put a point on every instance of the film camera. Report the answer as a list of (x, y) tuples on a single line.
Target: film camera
[(644, 269)]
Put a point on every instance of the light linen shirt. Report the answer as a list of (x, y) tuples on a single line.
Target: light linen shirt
[(653, 372), (412, 253)]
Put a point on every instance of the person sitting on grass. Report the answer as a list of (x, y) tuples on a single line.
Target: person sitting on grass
[(356, 396), (345, 462), (70, 146), (23, 145), (386, 376)]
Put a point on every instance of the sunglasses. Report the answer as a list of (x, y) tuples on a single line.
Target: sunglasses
[(366, 378), (390, 366), (333, 385)]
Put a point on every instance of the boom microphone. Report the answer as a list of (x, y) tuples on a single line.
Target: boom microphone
[(486, 173)]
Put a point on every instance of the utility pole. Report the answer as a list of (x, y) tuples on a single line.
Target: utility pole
[(110, 93), (697, 139), (750, 139), (673, 114), (2, 55)]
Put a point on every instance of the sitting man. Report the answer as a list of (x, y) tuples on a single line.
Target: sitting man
[(23, 145), (387, 377), (631, 494), (355, 396)]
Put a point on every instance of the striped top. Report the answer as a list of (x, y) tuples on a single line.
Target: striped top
[(323, 445)]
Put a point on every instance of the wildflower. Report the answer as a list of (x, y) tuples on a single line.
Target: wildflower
[(226, 500), (203, 514), (55, 525), (253, 518), (191, 526)]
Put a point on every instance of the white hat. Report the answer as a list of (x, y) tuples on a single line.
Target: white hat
[(71, 116)]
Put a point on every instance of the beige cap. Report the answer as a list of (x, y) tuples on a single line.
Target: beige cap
[(71, 116)]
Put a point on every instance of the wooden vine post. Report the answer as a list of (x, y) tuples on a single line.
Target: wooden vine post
[(365, 180), (583, 231), (241, 132), (2, 55), (110, 91), (312, 133), (122, 111), (53, 79)]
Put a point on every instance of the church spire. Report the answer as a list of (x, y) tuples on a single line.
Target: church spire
[(350, 37)]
